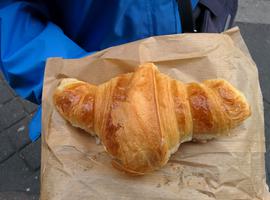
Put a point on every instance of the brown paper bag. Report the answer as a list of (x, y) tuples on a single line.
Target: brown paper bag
[(75, 167)]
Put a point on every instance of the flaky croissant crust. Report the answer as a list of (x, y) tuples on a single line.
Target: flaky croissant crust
[(143, 117)]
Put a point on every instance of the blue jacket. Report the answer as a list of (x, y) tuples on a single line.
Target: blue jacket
[(32, 31)]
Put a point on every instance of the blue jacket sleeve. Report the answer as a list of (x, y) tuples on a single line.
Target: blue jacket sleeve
[(27, 39)]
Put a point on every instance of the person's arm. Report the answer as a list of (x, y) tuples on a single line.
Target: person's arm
[(27, 39)]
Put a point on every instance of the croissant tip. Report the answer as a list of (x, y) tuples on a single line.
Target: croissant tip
[(66, 81), (148, 64), (121, 168)]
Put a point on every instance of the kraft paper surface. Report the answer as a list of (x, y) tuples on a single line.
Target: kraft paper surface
[(75, 166)]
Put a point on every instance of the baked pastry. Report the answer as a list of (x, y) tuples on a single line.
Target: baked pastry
[(143, 117)]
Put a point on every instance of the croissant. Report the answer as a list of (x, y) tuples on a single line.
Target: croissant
[(143, 117)]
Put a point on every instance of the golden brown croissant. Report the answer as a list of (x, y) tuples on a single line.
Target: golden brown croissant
[(143, 117)]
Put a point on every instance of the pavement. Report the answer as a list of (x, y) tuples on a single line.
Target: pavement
[(20, 158)]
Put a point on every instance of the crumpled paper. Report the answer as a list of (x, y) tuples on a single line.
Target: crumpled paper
[(74, 166)]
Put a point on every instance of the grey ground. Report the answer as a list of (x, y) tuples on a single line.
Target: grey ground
[(20, 159)]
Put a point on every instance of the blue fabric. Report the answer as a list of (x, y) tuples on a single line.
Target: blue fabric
[(31, 32)]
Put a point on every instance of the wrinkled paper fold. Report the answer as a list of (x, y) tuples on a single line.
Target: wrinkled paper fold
[(74, 166)]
